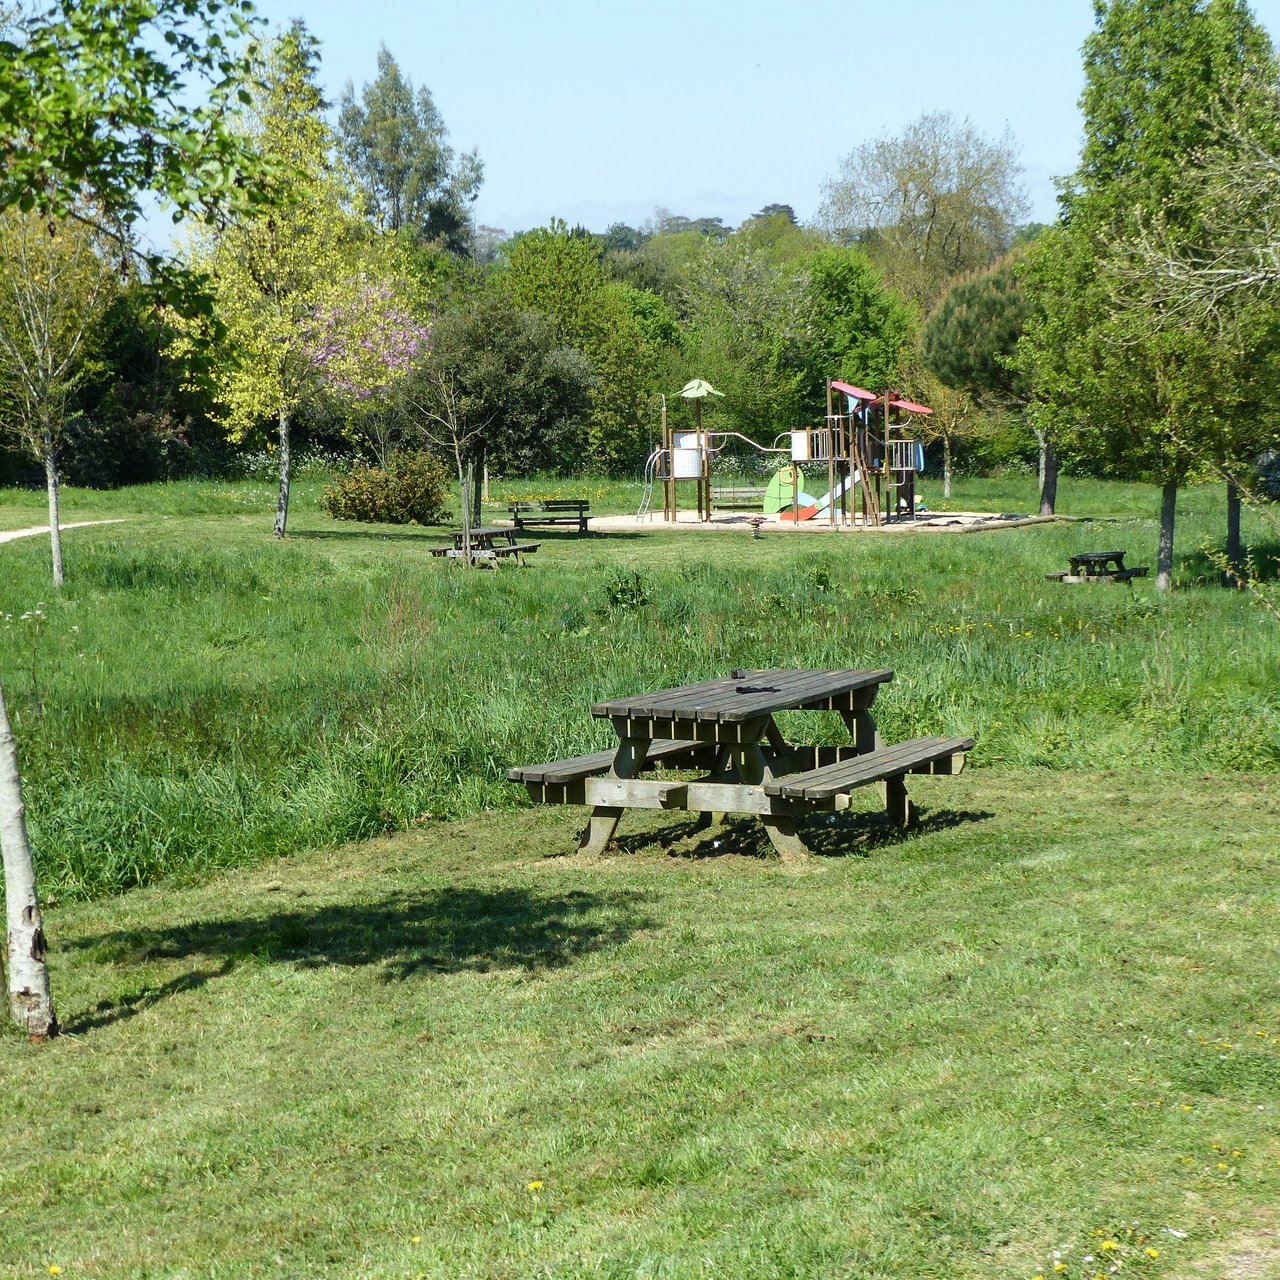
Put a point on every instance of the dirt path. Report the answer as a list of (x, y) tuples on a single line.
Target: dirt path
[(8, 535)]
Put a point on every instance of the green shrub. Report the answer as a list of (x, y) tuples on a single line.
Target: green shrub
[(412, 491)]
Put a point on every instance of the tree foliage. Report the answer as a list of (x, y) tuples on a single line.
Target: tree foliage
[(971, 335), (938, 201), (1117, 377), (270, 277), (54, 290), (103, 100), (559, 273), (394, 140)]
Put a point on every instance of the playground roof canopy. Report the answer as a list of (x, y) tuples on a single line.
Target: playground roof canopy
[(908, 406), (851, 390)]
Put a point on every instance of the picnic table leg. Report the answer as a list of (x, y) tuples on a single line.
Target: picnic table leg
[(628, 763), (780, 828), (866, 737)]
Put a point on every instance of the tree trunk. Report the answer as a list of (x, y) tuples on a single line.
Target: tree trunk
[(467, 509), (1164, 556), (1234, 575), (282, 504), (477, 493), (55, 525), (946, 466), (30, 1002), (1042, 438), (1048, 477)]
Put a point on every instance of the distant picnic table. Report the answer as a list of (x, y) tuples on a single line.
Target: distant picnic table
[(1098, 566), (725, 726), (488, 544)]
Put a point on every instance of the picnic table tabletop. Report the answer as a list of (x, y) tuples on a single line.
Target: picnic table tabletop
[(745, 695), (1098, 557)]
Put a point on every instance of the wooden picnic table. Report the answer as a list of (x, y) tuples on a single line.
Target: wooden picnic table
[(1097, 566), (726, 727), (488, 543)]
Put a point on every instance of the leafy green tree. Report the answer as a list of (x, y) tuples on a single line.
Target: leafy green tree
[(1136, 390), (503, 390), (100, 103), (968, 343), (860, 328), (271, 277), (394, 139), (55, 287), (938, 201), (559, 273)]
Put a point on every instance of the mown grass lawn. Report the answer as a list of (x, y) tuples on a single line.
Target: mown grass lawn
[(1049, 1020)]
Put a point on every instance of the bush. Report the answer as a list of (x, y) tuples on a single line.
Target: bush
[(412, 491)]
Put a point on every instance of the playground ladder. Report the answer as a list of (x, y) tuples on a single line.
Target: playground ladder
[(870, 503)]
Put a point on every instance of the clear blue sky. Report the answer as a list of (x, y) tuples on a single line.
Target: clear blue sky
[(599, 112)]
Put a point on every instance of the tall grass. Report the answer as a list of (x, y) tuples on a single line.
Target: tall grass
[(200, 696)]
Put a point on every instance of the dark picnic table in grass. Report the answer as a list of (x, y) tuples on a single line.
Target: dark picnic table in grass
[(1098, 566), (725, 727), (488, 544)]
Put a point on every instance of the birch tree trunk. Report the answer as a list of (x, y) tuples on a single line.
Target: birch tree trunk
[(946, 466), (1048, 477), (1164, 556), (30, 1002), (55, 525), (1042, 438), (1234, 575), (282, 504)]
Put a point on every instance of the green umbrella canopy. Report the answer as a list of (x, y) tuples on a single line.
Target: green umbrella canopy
[(697, 389)]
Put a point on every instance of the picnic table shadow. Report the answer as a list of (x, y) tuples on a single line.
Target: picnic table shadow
[(410, 935), (835, 835)]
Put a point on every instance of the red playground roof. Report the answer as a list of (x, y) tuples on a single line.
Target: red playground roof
[(908, 407), (851, 390)]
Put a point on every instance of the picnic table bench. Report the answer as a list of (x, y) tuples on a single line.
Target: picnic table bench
[(551, 511), (488, 545), (1098, 566), (737, 496), (726, 728)]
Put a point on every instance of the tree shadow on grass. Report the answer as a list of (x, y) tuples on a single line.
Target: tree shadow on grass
[(449, 930), (1197, 569), (834, 835)]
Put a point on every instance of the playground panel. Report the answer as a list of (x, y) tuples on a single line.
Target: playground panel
[(727, 726)]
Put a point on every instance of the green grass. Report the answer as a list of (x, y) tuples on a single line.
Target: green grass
[(1047, 1021), (199, 696)]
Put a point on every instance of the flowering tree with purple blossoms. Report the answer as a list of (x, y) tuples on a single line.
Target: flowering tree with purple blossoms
[(363, 344)]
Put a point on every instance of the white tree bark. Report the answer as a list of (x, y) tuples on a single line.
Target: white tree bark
[(1164, 554), (282, 503), (55, 525), (946, 466), (30, 1001)]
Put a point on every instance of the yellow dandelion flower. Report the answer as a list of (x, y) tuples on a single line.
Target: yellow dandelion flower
[(1108, 1244), (1221, 1165), (1059, 1266), (1152, 1253), (415, 1239), (535, 1185), (1186, 1106), (54, 1269)]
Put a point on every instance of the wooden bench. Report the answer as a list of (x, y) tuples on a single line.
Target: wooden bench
[(885, 764), (552, 511), (488, 555), (561, 781), (737, 497)]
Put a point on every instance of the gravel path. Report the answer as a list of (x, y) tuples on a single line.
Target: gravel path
[(8, 535)]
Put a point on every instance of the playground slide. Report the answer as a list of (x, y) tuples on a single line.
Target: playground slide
[(808, 507)]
